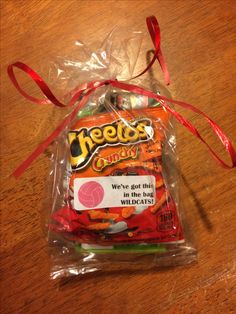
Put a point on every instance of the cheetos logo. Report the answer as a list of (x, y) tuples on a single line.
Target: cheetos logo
[(85, 142)]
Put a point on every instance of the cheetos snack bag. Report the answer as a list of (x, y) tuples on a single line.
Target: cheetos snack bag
[(115, 201)]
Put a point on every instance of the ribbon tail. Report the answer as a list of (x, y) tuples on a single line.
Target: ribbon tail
[(164, 67), (154, 31), (189, 126)]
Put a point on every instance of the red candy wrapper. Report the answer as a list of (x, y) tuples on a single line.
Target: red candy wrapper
[(114, 199)]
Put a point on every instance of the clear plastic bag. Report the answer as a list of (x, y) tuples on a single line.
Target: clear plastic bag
[(114, 186)]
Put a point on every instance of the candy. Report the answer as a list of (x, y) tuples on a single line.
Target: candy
[(117, 227)]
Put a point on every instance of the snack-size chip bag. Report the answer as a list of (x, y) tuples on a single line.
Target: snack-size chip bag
[(114, 197), (116, 188)]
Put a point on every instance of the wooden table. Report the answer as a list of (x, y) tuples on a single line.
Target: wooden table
[(198, 40)]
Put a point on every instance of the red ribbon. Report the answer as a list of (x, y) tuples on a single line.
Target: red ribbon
[(82, 93)]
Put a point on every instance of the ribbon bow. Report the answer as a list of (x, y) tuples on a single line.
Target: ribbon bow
[(81, 94)]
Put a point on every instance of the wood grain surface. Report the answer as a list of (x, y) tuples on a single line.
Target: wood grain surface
[(198, 40)]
